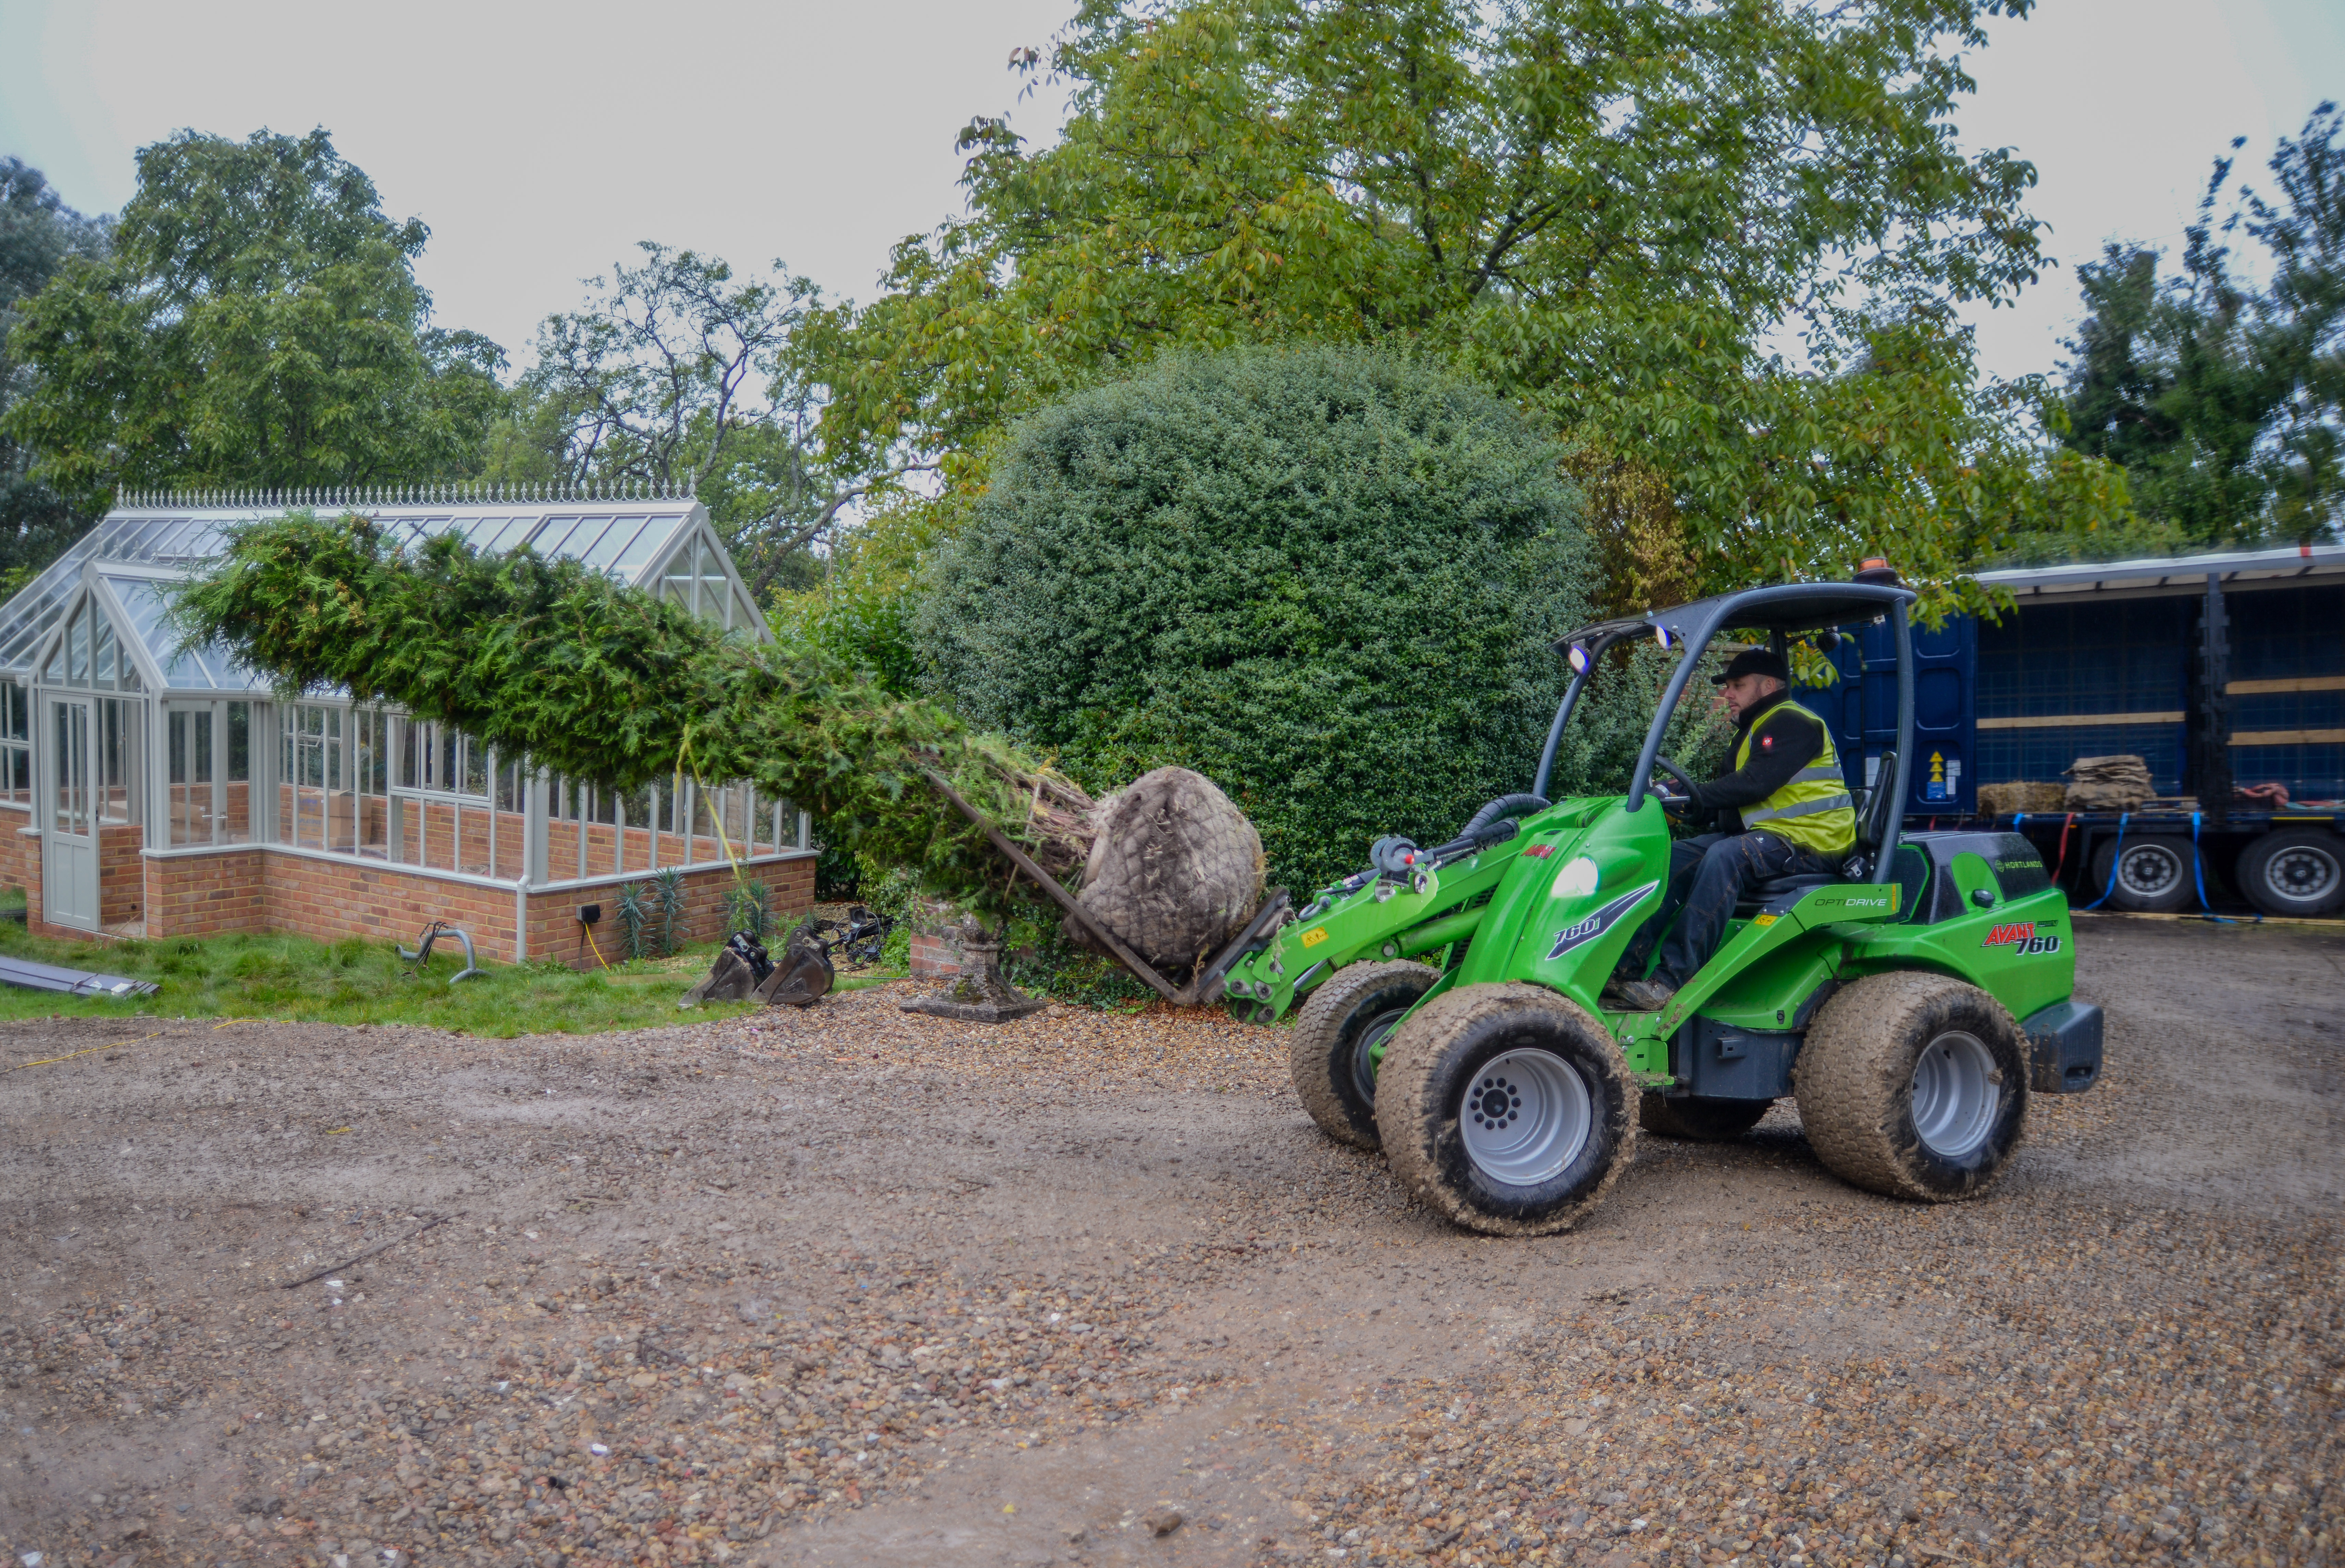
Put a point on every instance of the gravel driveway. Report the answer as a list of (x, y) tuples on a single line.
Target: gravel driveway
[(857, 1287)]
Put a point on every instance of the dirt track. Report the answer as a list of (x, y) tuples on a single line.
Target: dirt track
[(862, 1287)]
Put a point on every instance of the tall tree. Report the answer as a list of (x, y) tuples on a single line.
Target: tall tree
[(256, 322), (2225, 401), (675, 372), (38, 232), (1612, 210)]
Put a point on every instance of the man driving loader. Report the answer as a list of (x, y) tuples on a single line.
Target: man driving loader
[(1783, 811)]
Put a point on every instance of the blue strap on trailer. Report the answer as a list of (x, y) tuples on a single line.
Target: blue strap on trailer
[(2198, 876), (2116, 862)]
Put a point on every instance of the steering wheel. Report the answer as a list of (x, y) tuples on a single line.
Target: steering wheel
[(1685, 783)]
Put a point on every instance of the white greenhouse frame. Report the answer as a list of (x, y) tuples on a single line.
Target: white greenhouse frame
[(105, 722)]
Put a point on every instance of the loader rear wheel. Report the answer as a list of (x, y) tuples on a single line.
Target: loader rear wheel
[(1916, 1085), (1507, 1109), (1699, 1120), (1352, 1012)]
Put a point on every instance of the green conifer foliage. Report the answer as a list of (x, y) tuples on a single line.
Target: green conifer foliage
[(595, 680)]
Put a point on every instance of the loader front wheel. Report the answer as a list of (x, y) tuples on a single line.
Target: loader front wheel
[(1507, 1109), (1699, 1120), (1916, 1085), (1352, 1011)]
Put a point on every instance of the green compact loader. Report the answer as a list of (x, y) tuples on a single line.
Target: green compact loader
[(1450, 995)]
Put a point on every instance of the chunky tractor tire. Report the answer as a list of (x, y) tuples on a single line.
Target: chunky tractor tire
[(1351, 1011), (2153, 874), (1914, 1086), (2300, 872), (1701, 1120), (1507, 1109)]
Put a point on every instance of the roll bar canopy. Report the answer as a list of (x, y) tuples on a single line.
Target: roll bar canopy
[(1783, 610)]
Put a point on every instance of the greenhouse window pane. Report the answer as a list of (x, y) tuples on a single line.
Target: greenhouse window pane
[(495, 534), (657, 533), (581, 544), (615, 539), (554, 535)]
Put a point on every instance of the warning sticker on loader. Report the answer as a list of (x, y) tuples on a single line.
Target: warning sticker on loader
[(1591, 926)]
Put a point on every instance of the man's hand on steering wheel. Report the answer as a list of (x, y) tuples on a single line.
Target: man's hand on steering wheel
[(1679, 804)]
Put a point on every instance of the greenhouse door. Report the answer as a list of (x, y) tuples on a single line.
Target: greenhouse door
[(69, 828)]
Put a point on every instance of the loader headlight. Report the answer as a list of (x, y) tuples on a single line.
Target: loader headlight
[(1578, 658), (1578, 879)]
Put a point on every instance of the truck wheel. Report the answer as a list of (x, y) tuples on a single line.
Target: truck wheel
[(2300, 872), (1916, 1085), (1701, 1120), (2153, 874), (1507, 1109), (1350, 1012)]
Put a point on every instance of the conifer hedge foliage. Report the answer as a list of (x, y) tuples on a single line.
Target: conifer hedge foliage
[(1324, 577), (599, 681)]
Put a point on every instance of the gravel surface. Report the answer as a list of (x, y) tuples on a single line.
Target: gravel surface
[(853, 1286)]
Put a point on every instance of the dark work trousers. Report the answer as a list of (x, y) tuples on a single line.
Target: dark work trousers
[(1707, 875)]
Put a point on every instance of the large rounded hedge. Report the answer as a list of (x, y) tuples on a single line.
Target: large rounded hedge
[(1325, 578)]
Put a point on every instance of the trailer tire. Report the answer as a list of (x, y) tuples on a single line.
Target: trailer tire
[(1349, 1012), (1697, 1119), (2298, 872), (2153, 870), (1507, 1108), (1915, 1085)]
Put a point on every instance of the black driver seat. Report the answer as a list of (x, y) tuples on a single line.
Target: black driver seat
[(1872, 829)]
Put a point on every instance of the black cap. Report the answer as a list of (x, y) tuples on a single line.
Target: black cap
[(1754, 662)]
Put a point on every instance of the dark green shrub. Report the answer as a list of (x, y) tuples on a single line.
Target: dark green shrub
[(749, 906), (1324, 577), (1040, 961), (668, 914), (638, 925)]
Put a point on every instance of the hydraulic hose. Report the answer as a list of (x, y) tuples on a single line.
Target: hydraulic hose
[(1498, 810)]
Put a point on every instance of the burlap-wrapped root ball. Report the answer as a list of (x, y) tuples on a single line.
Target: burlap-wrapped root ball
[(1175, 869)]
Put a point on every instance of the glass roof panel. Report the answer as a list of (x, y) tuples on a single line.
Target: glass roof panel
[(500, 533), (142, 600), (625, 544), (615, 538), (555, 535), (657, 535)]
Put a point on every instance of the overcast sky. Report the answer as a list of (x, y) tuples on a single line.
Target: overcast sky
[(541, 141)]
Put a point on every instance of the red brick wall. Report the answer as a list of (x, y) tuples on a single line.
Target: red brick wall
[(29, 850), (205, 894), (121, 872), (262, 889), (933, 958), (554, 931), (12, 848), (314, 896)]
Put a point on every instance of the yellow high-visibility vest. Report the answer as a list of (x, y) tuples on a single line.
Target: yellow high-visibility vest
[(1814, 810)]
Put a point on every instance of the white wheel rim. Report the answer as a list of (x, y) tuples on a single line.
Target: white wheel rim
[(1525, 1117), (2301, 874), (2149, 870), (1956, 1095)]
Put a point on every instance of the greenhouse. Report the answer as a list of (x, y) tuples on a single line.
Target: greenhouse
[(161, 791)]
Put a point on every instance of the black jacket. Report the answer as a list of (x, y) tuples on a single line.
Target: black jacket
[(1784, 745)]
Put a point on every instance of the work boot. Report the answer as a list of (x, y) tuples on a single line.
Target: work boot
[(1643, 995)]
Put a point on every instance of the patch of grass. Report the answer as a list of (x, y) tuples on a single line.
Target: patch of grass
[(356, 981)]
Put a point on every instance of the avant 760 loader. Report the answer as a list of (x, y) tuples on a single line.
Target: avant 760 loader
[(1449, 994)]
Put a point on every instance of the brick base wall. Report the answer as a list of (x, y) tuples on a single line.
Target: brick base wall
[(933, 958), (13, 848), (554, 931), (265, 889)]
